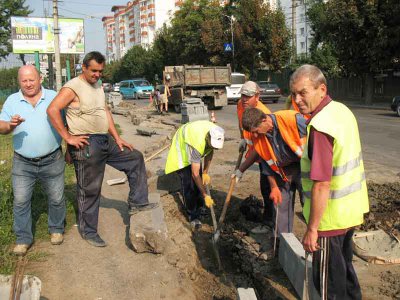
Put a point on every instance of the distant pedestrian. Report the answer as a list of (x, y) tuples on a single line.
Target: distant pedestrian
[(157, 100), (166, 94), (93, 142), (334, 185), (37, 157)]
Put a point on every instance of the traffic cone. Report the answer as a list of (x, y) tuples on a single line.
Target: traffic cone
[(212, 117)]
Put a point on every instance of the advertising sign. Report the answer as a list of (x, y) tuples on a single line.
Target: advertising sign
[(30, 34)]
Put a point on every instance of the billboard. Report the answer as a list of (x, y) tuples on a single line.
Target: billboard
[(31, 34)]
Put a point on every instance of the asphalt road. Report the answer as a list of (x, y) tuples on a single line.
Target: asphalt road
[(379, 130), (380, 138)]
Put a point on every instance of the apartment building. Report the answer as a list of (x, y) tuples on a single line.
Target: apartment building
[(296, 20), (135, 23)]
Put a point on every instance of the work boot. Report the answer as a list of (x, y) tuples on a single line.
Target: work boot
[(21, 249), (56, 238), (96, 241), (137, 208)]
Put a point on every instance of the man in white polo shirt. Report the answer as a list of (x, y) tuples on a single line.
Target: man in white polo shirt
[(37, 157)]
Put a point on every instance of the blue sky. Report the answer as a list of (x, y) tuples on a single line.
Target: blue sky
[(90, 10)]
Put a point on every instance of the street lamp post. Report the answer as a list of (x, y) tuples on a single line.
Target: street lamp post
[(231, 19)]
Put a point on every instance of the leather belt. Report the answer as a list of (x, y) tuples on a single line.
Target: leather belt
[(37, 159)]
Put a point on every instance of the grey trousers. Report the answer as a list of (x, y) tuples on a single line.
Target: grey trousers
[(288, 190), (90, 163)]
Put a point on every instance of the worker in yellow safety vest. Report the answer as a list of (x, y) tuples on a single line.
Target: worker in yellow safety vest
[(192, 142), (334, 184)]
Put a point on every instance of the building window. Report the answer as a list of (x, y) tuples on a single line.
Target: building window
[(302, 45), (302, 31)]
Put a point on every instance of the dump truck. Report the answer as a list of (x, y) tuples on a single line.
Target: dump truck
[(207, 83)]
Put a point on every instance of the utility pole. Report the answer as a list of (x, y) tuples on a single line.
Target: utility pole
[(233, 45), (57, 46), (294, 37)]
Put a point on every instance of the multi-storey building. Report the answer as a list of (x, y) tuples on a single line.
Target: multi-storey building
[(296, 20), (135, 23)]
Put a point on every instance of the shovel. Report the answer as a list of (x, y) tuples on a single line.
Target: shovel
[(215, 226), (227, 201)]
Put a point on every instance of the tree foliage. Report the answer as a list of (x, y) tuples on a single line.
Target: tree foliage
[(9, 8), (364, 35)]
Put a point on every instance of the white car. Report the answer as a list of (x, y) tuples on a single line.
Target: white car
[(116, 87), (233, 91)]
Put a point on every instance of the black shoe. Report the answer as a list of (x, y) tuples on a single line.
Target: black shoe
[(195, 224), (137, 208), (96, 241), (204, 211)]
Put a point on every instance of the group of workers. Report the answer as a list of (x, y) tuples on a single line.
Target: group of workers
[(314, 150)]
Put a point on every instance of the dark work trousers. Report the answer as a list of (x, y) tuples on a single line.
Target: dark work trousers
[(90, 163), (334, 276), (268, 215), (192, 197), (288, 191)]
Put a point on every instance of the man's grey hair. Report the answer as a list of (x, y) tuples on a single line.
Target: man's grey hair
[(311, 72), (252, 118)]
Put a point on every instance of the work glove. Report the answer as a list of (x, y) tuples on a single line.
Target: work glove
[(209, 201), (276, 195), (206, 179), (237, 175), (242, 145)]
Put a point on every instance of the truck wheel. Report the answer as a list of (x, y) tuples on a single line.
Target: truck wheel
[(275, 101), (177, 108), (398, 109)]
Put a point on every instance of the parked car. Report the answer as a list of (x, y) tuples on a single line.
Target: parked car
[(136, 88), (107, 87), (396, 105), (233, 91), (269, 91), (116, 87)]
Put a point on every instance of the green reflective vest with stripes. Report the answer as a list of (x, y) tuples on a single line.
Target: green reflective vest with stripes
[(348, 197), (193, 134)]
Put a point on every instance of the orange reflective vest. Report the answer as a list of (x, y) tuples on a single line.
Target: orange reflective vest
[(247, 135), (296, 108), (287, 126)]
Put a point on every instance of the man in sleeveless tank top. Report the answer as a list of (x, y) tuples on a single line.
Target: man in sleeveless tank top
[(93, 142)]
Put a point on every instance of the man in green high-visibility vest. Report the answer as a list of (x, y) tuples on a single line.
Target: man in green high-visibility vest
[(333, 182), (192, 142)]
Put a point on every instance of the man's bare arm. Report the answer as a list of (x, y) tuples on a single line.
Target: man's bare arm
[(61, 101), (319, 201), (7, 127)]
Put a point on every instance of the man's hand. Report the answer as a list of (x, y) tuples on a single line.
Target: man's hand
[(206, 179), (209, 201), (237, 175), (15, 121), (122, 143), (242, 145), (276, 195), (78, 141), (310, 240)]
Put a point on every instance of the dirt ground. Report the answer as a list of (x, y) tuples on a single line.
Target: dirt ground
[(188, 269)]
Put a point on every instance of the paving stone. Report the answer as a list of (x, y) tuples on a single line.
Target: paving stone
[(246, 294), (291, 258), (148, 231), (31, 287)]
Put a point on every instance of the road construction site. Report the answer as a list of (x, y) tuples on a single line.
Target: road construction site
[(187, 268)]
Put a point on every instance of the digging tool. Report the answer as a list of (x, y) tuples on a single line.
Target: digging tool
[(227, 200), (165, 147), (276, 228), (215, 225)]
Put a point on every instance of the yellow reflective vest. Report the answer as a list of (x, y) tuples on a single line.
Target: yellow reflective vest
[(193, 134), (348, 198)]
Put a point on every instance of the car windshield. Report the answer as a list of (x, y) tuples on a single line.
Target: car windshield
[(141, 83), (267, 85), (238, 79)]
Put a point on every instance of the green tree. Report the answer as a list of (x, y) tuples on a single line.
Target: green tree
[(9, 8)]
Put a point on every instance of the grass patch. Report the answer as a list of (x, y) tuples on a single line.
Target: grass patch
[(39, 208)]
